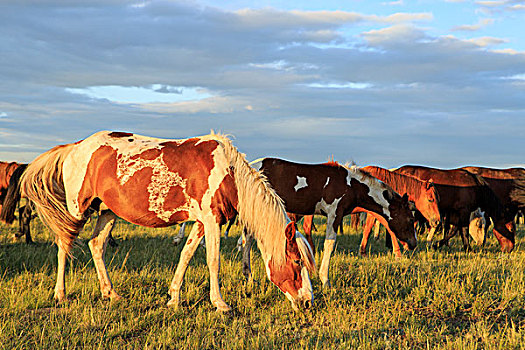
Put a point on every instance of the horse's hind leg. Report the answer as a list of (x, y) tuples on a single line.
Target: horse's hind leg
[(25, 221), (97, 245)]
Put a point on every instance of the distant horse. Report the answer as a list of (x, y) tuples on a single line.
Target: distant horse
[(509, 187), (10, 197), (461, 193), (335, 191), (149, 182)]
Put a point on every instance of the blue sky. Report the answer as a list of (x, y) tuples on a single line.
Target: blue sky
[(440, 83)]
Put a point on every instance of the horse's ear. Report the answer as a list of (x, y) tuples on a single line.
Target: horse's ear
[(289, 231), (405, 197)]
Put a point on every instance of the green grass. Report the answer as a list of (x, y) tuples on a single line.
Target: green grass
[(427, 299)]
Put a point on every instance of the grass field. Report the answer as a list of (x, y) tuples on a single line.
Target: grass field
[(427, 299)]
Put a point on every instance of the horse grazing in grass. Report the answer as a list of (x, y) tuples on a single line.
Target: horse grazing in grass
[(461, 193), (10, 197), (149, 182), (334, 191), (509, 187), (422, 193)]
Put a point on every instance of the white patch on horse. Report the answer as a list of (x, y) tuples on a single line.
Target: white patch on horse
[(327, 181), (377, 193), (376, 187), (301, 183), (330, 211)]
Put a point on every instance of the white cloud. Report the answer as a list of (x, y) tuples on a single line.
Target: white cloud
[(474, 27)]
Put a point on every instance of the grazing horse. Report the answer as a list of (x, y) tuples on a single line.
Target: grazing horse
[(509, 187), (461, 193), (422, 193), (10, 197), (335, 191), (148, 182)]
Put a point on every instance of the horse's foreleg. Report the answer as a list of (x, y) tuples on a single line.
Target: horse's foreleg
[(60, 287), (465, 238), (377, 230), (395, 244), (370, 222), (247, 239), (213, 241), (333, 221), (195, 236), (97, 245)]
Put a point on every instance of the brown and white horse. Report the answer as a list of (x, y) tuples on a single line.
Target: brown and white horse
[(149, 182), (10, 197), (335, 191)]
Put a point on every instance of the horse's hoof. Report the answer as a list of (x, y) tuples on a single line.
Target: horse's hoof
[(223, 307)]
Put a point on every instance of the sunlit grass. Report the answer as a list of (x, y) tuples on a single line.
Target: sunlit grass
[(426, 299)]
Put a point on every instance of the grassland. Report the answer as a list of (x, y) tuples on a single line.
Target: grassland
[(427, 299)]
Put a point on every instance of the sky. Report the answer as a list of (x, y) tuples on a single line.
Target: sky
[(437, 83)]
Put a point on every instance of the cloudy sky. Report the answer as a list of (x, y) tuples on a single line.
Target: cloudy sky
[(440, 83)]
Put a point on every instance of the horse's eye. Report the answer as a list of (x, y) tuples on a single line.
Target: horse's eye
[(431, 200), (297, 261)]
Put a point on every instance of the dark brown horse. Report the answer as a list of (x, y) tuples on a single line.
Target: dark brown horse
[(335, 191), (149, 182), (461, 193), (10, 197), (509, 186)]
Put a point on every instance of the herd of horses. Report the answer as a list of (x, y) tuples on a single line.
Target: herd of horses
[(150, 182)]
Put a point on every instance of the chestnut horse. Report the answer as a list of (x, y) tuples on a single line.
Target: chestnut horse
[(335, 191), (461, 193), (422, 193), (149, 182), (10, 197)]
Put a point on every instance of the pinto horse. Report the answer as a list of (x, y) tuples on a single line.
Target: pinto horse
[(148, 182), (335, 191), (461, 193), (422, 193), (10, 197)]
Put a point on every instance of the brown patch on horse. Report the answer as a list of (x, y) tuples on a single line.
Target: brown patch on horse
[(198, 158), (333, 163), (119, 134), (225, 200)]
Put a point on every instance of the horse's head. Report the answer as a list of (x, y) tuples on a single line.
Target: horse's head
[(401, 220), (292, 276), (477, 226), (428, 203)]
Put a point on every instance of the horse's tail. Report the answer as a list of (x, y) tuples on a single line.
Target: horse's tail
[(12, 196), (43, 184)]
